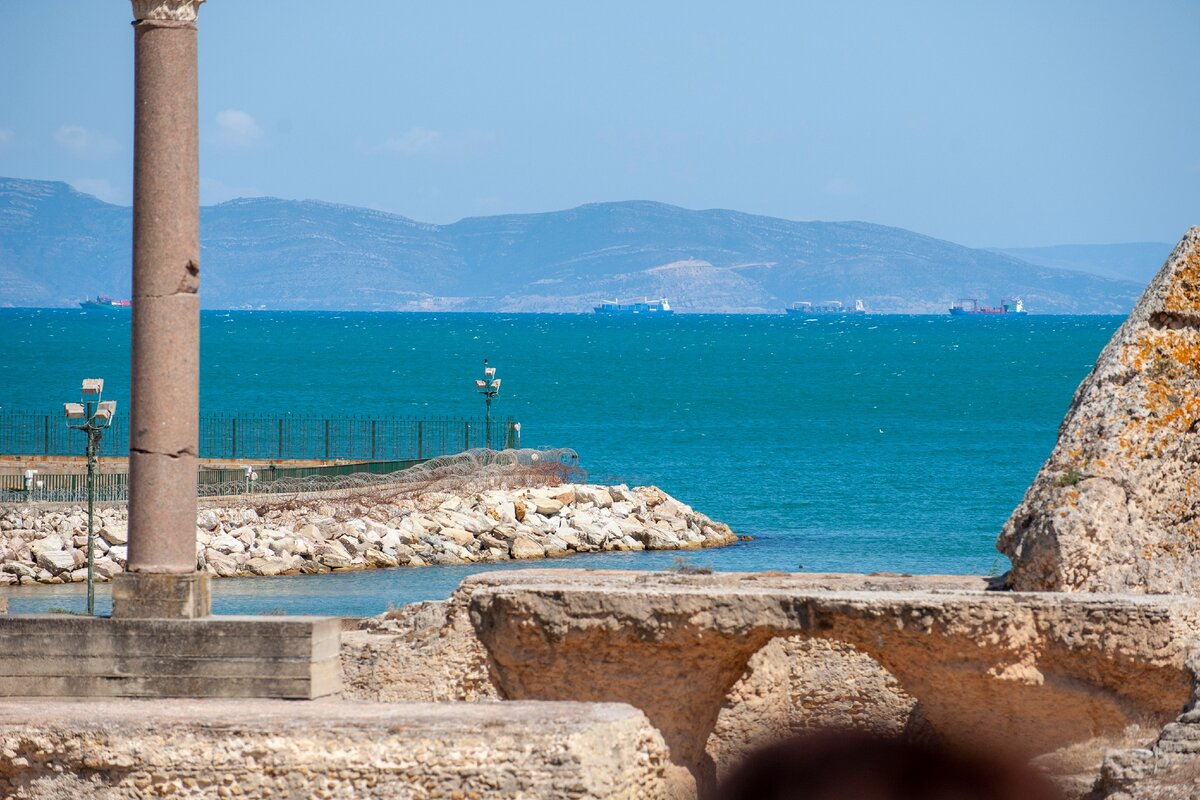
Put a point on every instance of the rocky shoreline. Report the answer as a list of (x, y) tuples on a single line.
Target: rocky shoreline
[(42, 544)]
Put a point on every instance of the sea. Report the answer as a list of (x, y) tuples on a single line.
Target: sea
[(874, 443)]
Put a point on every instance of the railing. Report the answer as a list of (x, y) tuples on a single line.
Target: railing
[(276, 438), (114, 487)]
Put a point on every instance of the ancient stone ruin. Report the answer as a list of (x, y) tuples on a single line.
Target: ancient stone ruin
[(1116, 507)]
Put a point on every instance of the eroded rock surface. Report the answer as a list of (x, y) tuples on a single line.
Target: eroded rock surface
[(1116, 508), (718, 661), (423, 652), (259, 749), (795, 684)]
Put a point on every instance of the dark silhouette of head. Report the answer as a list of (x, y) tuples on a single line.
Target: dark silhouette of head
[(846, 765)]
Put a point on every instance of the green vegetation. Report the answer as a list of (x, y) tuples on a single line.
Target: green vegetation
[(1070, 477)]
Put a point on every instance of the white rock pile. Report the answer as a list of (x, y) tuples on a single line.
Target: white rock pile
[(48, 544)]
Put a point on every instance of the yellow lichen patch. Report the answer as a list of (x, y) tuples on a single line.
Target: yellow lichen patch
[(1182, 295)]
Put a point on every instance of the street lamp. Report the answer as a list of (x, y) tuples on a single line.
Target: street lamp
[(91, 416), (489, 387)]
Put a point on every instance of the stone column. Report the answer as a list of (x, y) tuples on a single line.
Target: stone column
[(161, 578)]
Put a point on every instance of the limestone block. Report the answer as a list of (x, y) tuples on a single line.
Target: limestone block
[(115, 532), (261, 750), (526, 547), (546, 506), (1034, 671), (56, 561), (457, 535)]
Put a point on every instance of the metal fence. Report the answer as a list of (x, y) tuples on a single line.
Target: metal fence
[(282, 438), (114, 487)]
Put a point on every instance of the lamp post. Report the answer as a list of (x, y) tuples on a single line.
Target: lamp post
[(91, 416), (489, 387)]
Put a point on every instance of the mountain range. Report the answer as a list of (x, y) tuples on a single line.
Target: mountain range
[(58, 245)]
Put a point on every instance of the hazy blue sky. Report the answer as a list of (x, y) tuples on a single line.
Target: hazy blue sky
[(1018, 123)]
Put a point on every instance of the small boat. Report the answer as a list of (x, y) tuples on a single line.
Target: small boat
[(826, 307), (106, 303), (961, 308), (616, 307)]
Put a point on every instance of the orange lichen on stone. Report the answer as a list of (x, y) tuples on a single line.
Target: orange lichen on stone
[(1183, 293), (1133, 432)]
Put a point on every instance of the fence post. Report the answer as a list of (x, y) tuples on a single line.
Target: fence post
[(466, 436), (326, 439), (372, 440), (233, 424), (420, 443), (280, 437)]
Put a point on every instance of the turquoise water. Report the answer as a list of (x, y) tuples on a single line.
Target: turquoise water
[(877, 443)]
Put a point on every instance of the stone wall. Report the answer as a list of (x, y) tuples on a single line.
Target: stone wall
[(721, 662), (322, 534), (794, 684), (260, 750)]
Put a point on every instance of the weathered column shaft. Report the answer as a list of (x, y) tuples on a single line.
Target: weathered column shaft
[(164, 390)]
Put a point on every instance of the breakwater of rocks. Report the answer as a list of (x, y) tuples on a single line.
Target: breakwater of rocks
[(48, 544)]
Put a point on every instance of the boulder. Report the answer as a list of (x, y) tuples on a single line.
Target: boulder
[(220, 563), (56, 561), (377, 558), (1116, 507), (352, 546), (650, 495), (499, 538), (310, 533), (526, 547), (227, 544), (106, 568), (596, 495), (332, 555), (405, 555), (244, 534), (556, 546), (659, 539), (459, 536), (267, 566), (49, 544), (21, 570), (206, 520), (546, 506)]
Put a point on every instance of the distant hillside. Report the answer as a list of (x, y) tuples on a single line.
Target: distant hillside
[(1135, 261), (58, 245)]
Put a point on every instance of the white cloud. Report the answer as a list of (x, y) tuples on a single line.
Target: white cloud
[(412, 142), (101, 188), (7, 137), (237, 130), (85, 144)]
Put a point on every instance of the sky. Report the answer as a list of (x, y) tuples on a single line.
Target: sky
[(1007, 123)]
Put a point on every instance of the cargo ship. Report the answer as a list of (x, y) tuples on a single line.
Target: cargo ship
[(107, 303), (961, 308), (826, 307), (616, 307)]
